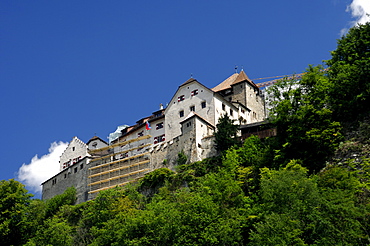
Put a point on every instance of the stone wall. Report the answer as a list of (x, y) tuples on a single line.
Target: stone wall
[(75, 175)]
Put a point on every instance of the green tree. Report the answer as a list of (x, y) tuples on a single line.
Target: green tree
[(306, 129), (317, 210), (226, 133), (349, 73), (181, 158), (54, 204), (55, 231), (181, 218), (14, 199)]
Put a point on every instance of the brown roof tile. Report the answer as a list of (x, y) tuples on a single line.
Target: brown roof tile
[(233, 80), (226, 83), (243, 77)]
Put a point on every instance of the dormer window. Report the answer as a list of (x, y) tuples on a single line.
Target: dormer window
[(159, 126), (181, 98), (158, 114), (194, 92), (192, 108)]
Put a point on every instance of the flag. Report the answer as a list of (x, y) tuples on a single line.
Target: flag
[(147, 126)]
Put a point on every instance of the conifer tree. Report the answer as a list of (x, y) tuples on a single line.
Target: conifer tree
[(226, 133)]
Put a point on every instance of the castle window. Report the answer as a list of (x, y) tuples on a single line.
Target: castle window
[(192, 108), (181, 98), (75, 160), (242, 110), (81, 166), (231, 112), (157, 114), (194, 92), (159, 126), (140, 134), (223, 107), (159, 139), (66, 164), (203, 104), (188, 124), (65, 175), (75, 170), (73, 148), (181, 113)]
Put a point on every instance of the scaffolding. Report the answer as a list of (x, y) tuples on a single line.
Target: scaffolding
[(108, 171)]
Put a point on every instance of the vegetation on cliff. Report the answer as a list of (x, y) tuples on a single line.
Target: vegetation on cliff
[(310, 185)]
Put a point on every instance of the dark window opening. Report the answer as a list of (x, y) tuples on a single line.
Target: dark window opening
[(181, 113), (192, 108), (204, 104), (159, 126), (181, 98), (159, 139)]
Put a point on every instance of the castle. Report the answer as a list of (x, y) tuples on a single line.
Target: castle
[(187, 124)]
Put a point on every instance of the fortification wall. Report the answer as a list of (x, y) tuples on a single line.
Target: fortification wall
[(114, 169), (75, 175)]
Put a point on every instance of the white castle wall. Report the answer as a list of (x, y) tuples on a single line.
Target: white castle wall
[(75, 151)]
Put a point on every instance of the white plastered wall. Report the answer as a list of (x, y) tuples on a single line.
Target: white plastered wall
[(76, 149)]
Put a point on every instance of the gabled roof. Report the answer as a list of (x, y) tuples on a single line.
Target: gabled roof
[(233, 80), (226, 83), (95, 138), (241, 77), (193, 114), (189, 81)]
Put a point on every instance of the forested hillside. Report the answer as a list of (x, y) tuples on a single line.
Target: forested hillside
[(309, 185)]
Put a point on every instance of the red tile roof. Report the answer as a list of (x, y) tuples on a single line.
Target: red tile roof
[(233, 80)]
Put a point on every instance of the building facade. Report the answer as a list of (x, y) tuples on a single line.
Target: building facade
[(187, 124)]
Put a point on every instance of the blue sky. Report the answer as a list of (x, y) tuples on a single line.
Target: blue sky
[(80, 68)]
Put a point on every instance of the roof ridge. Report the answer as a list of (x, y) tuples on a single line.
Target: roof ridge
[(226, 83), (243, 77), (189, 81)]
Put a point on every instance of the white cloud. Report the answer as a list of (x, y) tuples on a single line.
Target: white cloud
[(41, 169), (360, 11)]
